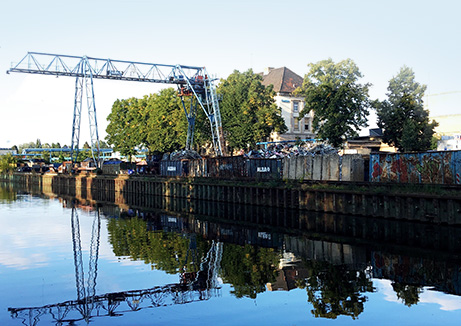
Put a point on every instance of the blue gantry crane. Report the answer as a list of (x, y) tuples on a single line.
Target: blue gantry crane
[(195, 88)]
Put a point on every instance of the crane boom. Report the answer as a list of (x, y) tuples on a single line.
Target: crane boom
[(191, 81)]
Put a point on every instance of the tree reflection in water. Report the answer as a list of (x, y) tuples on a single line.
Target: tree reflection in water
[(335, 290), (409, 294), (249, 268)]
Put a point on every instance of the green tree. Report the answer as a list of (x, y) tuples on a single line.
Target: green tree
[(7, 163), (21, 147), (409, 294), (164, 121), (339, 102), (402, 117), (103, 144), (167, 251), (335, 290), (123, 130), (248, 112), (248, 268)]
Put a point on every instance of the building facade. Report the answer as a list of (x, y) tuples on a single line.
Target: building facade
[(285, 82)]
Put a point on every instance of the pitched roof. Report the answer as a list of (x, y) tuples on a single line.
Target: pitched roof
[(283, 79)]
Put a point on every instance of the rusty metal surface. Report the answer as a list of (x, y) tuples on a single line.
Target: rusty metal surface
[(226, 167)]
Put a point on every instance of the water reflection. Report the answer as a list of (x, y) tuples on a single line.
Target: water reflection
[(199, 272), (333, 258)]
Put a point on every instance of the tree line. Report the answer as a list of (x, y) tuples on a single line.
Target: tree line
[(340, 103), (333, 91)]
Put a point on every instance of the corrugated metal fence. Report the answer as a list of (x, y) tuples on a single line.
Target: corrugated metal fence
[(426, 167), (320, 167)]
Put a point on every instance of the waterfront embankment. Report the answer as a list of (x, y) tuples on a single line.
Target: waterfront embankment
[(420, 203)]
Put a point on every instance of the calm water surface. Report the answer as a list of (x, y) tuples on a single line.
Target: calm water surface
[(67, 263)]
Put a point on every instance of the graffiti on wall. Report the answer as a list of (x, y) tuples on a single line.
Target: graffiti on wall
[(426, 167)]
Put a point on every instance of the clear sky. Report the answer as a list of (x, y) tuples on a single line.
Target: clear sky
[(380, 36)]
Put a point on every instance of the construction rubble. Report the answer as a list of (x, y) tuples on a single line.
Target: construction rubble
[(181, 155), (287, 150)]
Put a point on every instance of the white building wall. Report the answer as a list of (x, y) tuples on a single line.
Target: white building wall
[(286, 104), (449, 143)]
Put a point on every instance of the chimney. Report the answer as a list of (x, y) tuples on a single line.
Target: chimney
[(268, 70)]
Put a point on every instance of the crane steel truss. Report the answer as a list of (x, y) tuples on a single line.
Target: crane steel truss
[(191, 81)]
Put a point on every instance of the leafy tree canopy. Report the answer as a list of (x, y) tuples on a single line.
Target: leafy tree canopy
[(156, 122), (7, 163), (123, 130), (402, 117), (165, 121), (340, 104), (248, 111)]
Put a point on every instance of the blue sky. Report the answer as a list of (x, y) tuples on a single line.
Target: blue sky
[(380, 37)]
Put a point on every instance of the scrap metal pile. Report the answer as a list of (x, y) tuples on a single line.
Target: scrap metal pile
[(272, 151), (288, 150), (181, 155)]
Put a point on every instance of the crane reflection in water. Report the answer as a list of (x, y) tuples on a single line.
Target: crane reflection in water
[(193, 286)]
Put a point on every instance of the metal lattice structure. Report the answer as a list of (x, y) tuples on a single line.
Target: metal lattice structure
[(88, 305), (193, 82)]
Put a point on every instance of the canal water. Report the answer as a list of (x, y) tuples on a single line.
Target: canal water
[(65, 261)]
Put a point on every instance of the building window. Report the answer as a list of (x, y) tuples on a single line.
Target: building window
[(307, 123), (295, 107), (296, 124)]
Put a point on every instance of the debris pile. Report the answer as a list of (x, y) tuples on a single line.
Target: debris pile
[(181, 155), (287, 150)]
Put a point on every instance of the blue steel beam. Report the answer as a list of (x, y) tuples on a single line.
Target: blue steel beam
[(190, 80), (67, 65)]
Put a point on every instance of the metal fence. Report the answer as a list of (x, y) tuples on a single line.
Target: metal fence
[(174, 168), (227, 167), (264, 168)]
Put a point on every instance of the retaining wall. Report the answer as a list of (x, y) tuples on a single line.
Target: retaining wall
[(127, 189)]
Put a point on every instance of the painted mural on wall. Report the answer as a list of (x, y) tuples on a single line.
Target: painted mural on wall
[(426, 167)]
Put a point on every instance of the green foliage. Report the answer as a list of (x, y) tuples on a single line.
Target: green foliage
[(156, 122), (165, 126), (340, 104), (248, 268), (434, 142), (409, 294), (167, 251), (402, 117), (335, 290), (248, 112), (21, 147), (123, 130), (7, 194), (7, 163)]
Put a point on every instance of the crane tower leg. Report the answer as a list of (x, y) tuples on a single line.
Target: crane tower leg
[(77, 117), (84, 85)]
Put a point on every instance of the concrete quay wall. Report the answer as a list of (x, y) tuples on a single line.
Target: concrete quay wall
[(435, 209)]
